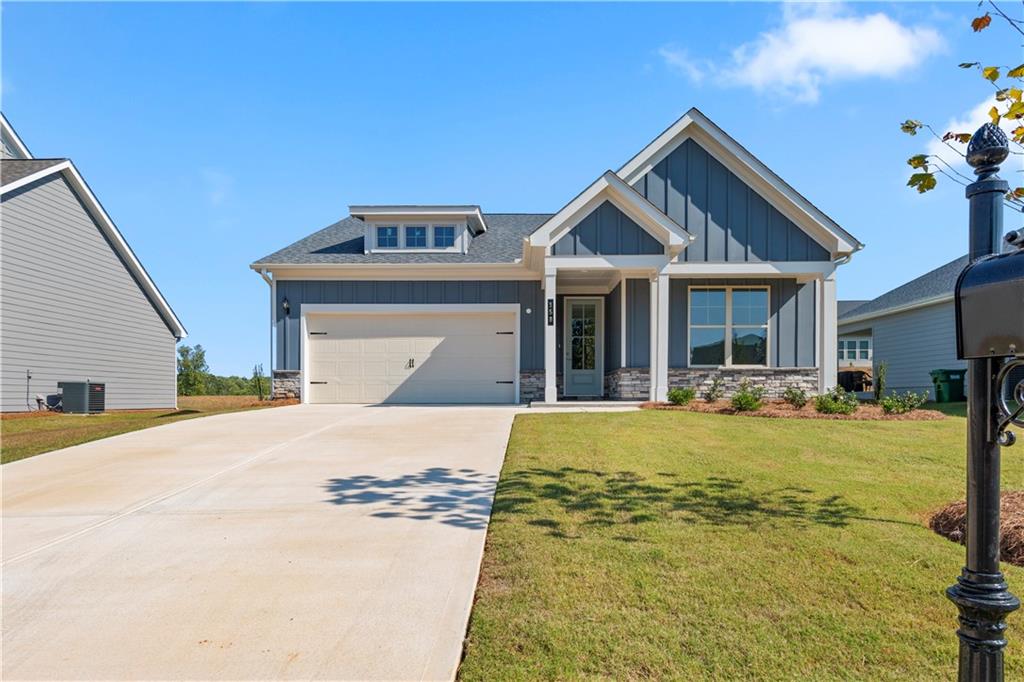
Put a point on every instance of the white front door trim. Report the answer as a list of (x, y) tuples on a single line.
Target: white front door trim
[(306, 309)]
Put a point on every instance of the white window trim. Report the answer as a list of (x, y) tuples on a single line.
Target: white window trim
[(461, 244), (728, 324)]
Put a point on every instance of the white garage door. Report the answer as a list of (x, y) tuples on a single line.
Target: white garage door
[(411, 358)]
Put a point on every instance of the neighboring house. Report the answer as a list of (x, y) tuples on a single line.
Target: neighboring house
[(692, 261), (911, 328), (76, 304)]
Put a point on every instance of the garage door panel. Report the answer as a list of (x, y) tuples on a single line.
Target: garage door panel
[(459, 357)]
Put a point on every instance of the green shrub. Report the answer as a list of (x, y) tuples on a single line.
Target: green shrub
[(681, 396), (836, 401), (797, 397), (881, 372), (901, 404), (715, 391), (748, 398)]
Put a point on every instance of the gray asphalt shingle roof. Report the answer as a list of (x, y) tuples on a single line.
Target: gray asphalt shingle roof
[(342, 242), (843, 307), (939, 281), (12, 170)]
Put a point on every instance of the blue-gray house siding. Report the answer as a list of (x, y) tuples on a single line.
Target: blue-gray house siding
[(607, 231), (731, 222), (526, 293)]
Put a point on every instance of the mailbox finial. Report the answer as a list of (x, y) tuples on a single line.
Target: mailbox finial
[(987, 149)]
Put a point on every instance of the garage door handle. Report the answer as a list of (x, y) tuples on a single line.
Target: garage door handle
[(318, 333), (318, 382), (504, 382), (501, 333)]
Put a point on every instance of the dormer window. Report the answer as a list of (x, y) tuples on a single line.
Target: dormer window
[(444, 236), (387, 237), (415, 236)]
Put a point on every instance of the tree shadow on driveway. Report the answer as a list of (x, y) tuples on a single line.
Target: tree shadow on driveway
[(454, 497)]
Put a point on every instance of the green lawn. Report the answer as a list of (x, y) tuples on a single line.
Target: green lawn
[(24, 435), (692, 546)]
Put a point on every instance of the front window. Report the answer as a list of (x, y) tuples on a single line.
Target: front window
[(387, 237), (416, 237), (728, 326), (444, 236)]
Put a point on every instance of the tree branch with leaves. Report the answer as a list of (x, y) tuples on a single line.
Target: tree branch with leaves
[(1008, 83)]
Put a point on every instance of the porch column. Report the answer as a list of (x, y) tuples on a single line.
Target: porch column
[(550, 339), (661, 346), (827, 359)]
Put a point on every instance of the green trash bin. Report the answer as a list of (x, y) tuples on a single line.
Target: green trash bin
[(949, 385)]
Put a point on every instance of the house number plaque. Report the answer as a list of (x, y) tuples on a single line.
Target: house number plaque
[(551, 312)]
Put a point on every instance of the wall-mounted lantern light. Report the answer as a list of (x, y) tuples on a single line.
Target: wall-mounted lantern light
[(286, 306)]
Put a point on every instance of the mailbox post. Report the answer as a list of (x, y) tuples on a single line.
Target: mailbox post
[(981, 593)]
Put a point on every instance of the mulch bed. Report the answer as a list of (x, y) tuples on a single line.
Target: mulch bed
[(780, 408), (951, 523)]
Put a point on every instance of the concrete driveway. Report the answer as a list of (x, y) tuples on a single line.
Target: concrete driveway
[(312, 542)]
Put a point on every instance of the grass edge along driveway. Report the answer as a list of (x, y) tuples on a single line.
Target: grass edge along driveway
[(24, 435), (691, 546)]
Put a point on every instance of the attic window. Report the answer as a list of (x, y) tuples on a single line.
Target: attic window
[(401, 237), (444, 236), (387, 237)]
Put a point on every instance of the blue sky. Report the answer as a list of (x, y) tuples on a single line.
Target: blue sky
[(217, 133)]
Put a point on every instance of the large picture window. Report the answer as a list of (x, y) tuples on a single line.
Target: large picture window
[(728, 326)]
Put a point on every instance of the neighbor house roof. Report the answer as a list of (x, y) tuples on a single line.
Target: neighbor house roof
[(24, 174), (11, 140), (342, 243), (932, 287), (843, 307), (12, 170)]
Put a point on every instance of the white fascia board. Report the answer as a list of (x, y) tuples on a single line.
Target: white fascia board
[(765, 269), (12, 136), (470, 212), (398, 271), (647, 264), (749, 168), (95, 209), (923, 303), (38, 175), (626, 199)]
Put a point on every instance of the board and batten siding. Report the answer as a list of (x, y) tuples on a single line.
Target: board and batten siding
[(731, 221), (71, 309), (791, 322), (607, 231), (527, 294), (912, 343)]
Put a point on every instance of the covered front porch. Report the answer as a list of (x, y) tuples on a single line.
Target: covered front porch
[(630, 328)]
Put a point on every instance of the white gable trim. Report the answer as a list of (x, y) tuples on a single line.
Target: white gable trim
[(92, 204), (11, 136), (610, 187), (748, 168)]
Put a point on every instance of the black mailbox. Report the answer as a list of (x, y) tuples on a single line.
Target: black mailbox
[(990, 307)]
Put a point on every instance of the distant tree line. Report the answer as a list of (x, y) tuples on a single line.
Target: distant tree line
[(194, 377)]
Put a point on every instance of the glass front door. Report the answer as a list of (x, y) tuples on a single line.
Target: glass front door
[(584, 353)]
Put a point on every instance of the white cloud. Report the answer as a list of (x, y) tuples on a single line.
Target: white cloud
[(218, 185), (679, 60), (815, 47)]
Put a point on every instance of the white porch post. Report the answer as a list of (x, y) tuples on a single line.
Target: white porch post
[(661, 346), (653, 354), (550, 338), (827, 358)]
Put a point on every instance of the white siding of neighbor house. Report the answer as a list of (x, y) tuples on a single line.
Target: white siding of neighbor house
[(913, 343), (70, 308)]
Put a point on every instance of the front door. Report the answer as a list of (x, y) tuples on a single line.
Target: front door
[(584, 347)]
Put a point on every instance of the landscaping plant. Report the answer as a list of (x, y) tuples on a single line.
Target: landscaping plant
[(797, 397), (837, 401), (748, 398), (879, 382), (715, 391), (681, 396), (901, 404)]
